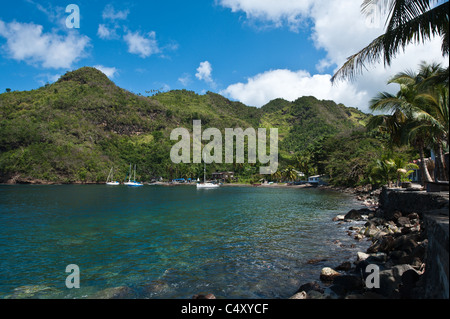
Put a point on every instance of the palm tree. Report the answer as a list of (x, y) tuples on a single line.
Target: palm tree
[(304, 164), (419, 113), (404, 170), (277, 176), (383, 172), (409, 21), (386, 170), (290, 174), (436, 117)]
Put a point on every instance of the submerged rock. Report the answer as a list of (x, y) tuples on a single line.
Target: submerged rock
[(30, 292), (207, 296), (154, 288), (122, 292)]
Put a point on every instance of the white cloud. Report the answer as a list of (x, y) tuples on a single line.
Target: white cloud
[(340, 29), (291, 85), (109, 13), (110, 72), (27, 42), (107, 33), (55, 14), (143, 45), (185, 79), (47, 78), (278, 13), (204, 72)]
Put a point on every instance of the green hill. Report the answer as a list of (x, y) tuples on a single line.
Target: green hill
[(76, 129)]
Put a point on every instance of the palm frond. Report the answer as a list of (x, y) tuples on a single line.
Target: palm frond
[(400, 32)]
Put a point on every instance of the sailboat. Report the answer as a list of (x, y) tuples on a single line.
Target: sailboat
[(206, 184), (132, 182), (110, 181)]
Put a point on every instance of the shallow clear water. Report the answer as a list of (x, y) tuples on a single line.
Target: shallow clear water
[(169, 242)]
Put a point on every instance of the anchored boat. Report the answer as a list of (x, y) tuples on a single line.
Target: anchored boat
[(206, 184), (133, 182), (110, 181)]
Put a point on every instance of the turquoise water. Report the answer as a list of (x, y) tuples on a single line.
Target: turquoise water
[(168, 242)]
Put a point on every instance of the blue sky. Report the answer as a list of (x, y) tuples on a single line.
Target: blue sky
[(251, 51)]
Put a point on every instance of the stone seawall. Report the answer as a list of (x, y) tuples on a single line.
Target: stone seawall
[(436, 274), (407, 202), (434, 210)]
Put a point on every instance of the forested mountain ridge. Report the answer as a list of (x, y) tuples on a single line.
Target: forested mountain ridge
[(76, 129)]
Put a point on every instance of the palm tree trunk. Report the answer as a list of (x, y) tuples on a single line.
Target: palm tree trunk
[(426, 177), (441, 163)]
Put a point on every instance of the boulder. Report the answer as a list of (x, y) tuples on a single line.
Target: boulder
[(403, 221), (399, 270), (409, 280), (357, 214), (384, 244), (377, 258), (349, 283), (360, 256), (388, 284), (413, 216), (300, 295), (420, 250), (339, 218), (311, 286), (406, 243), (328, 274), (392, 215), (345, 266)]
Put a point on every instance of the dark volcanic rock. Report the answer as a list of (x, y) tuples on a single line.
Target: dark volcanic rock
[(356, 214), (311, 286)]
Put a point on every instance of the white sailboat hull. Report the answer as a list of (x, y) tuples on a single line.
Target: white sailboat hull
[(207, 185), (110, 180), (133, 184)]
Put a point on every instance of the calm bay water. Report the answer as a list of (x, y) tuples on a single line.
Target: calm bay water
[(169, 242)]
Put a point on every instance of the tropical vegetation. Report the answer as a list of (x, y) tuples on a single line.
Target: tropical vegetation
[(76, 129), (418, 115)]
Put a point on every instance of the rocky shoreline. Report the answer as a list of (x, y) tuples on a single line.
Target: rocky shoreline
[(398, 250)]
